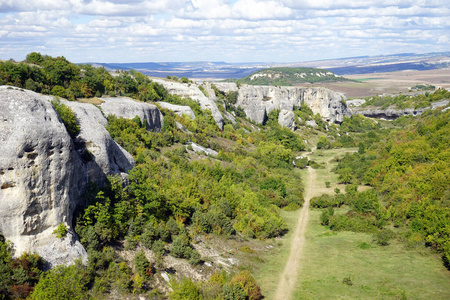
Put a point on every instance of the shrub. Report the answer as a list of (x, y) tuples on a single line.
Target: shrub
[(186, 289), (382, 237), (62, 282), (67, 117), (142, 265), (61, 231)]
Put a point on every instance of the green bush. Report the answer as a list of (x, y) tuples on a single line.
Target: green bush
[(61, 231), (63, 282), (186, 289), (67, 117)]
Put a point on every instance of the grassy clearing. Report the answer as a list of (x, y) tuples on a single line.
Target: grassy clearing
[(349, 265), (274, 261)]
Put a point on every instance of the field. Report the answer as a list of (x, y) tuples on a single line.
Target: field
[(386, 83), (350, 265)]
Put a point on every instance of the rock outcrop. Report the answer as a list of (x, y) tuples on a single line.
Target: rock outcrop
[(178, 109), (44, 173), (129, 108), (190, 90), (108, 158), (42, 176), (258, 101), (286, 118), (392, 113)]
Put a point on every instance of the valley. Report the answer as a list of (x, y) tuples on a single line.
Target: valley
[(117, 185)]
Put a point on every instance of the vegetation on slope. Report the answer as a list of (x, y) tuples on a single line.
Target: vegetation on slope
[(407, 101), (59, 77), (289, 76), (409, 173)]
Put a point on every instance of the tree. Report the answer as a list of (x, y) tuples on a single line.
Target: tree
[(63, 282), (34, 58)]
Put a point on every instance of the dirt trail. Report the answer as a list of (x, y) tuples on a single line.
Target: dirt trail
[(288, 278)]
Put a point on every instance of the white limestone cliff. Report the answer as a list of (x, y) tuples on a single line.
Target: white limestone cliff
[(44, 173), (42, 176), (191, 90), (258, 101)]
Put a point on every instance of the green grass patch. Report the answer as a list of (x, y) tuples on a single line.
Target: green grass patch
[(275, 260), (332, 261)]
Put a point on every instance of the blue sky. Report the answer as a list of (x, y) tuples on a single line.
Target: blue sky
[(221, 30)]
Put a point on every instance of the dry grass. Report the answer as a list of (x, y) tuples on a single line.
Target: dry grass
[(95, 100), (390, 82)]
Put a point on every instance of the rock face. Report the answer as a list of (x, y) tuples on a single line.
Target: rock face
[(258, 101), (178, 109), (42, 176), (192, 91), (392, 113), (108, 158), (286, 118), (128, 108)]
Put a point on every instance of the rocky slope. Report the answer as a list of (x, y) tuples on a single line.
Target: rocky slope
[(258, 101), (44, 173), (192, 91), (392, 113)]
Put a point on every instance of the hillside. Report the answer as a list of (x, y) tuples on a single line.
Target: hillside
[(290, 76), (190, 198)]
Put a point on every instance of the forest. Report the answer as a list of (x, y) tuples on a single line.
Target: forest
[(287, 76), (173, 196)]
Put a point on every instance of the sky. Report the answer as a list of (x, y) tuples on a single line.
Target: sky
[(111, 31)]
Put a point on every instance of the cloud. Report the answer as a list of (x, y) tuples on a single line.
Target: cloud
[(275, 30)]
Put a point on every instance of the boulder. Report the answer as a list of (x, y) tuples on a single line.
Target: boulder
[(42, 177), (129, 108), (178, 109), (355, 102), (286, 118)]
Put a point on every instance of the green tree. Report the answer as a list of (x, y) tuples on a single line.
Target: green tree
[(63, 282)]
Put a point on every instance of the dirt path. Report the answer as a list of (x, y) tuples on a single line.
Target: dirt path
[(288, 278)]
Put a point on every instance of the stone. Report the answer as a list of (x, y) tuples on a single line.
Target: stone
[(311, 123), (258, 101), (355, 102), (108, 158), (286, 118), (129, 108), (178, 109), (200, 149), (191, 90), (42, 177), (392, 112)]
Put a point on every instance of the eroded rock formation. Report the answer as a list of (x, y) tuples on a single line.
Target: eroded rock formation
[(44, 172), (192, 91), (42, 176), (258, 101), (129, 108)]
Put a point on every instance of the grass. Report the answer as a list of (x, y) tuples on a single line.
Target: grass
[(333, 260), (274, 261), (350, 265)]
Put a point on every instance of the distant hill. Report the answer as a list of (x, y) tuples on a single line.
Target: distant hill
[(290, 76)]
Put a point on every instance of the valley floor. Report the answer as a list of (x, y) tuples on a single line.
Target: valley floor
[(317, 263)]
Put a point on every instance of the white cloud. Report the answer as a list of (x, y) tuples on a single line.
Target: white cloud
[(221, 29)]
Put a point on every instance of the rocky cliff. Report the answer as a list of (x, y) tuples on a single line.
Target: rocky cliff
[(44, 172), (258, 101), (42, 176), (192, 91), (392, 113), (129, 108)]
